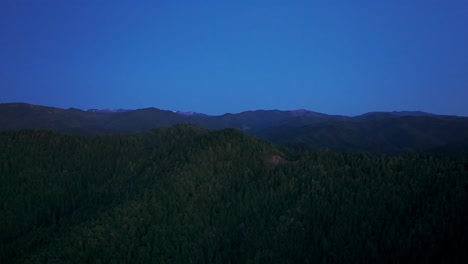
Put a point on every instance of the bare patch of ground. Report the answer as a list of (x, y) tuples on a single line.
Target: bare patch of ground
[(275, 160)]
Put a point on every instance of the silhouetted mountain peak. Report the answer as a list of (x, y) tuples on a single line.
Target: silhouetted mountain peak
[(107, 110), (189, 113), (380, 115), (411, 113), (300, 112)]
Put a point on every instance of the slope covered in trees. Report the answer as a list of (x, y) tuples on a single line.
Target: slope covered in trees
[(376, 134), (186, 194)]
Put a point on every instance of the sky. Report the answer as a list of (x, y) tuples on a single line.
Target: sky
[(335, 57)]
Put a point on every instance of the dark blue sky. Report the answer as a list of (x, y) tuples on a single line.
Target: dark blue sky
[(337, 57)]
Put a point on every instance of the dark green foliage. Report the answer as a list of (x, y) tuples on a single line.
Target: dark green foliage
[(184, 194)]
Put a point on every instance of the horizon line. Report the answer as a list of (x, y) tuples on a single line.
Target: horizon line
[(227, 113)]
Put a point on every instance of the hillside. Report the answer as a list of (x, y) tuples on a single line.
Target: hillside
[(378, 135), (187, 194)]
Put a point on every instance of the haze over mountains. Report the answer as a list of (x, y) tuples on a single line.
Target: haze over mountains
[(373, 131)]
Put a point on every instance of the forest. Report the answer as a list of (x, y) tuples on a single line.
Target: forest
[(185, 194)]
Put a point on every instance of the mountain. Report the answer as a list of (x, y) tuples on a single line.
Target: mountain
[(17, 116), (383, 115), (382, 135), (378, 132), (25, 116), (108, 110), (185, 194), (142, 119), (75, 121), (190, 113)]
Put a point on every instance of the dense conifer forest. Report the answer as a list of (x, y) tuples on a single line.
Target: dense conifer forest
[(184, 194)]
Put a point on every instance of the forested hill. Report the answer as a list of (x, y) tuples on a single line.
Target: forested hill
[(392, 134), (186, 194)]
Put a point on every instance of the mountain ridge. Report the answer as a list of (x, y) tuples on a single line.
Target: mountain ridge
[(296, 112), (380, 132)]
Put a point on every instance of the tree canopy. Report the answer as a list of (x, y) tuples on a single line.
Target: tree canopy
[(186, 194)]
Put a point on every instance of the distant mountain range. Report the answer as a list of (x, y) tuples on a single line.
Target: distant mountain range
[(190, 113), (108, 110), (374, 131), (103, 121)]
